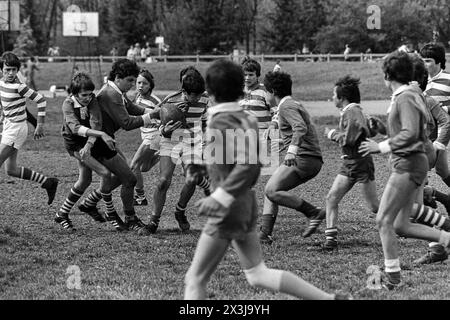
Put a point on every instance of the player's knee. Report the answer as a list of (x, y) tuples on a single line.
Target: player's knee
[(164, 183), (400, 228), (271, 193), (129, 181), (331, 198), (83, 183), (261, 276)]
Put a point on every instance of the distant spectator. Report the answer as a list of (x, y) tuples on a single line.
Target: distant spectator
[(277, 67), (51, 54), (305, 49), (131, 53), (137, 52), (369, 55), (114, 52), (347, 52), (143, 54), (31, 68)]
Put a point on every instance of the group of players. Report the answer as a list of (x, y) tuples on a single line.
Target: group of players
[(233, 98)]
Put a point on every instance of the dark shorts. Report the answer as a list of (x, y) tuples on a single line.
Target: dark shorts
[(237, 221), (99, 151), (358, 170), (416, 165), (308, 167)]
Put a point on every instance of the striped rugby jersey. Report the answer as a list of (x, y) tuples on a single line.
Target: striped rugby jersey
[(256, 103), (151, 103), (439, 88), (13, 99), (196, 113)]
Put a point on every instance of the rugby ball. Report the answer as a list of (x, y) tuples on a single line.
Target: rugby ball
[(172, 112)]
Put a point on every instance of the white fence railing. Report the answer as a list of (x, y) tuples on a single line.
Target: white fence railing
[(361, 57)]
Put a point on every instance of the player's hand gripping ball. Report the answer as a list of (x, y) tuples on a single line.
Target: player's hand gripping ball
[(172, 112)]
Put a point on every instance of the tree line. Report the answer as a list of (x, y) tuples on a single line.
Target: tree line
[(219, 26)]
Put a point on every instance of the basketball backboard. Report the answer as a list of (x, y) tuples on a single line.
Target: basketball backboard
[(80, 24), (10, 17)]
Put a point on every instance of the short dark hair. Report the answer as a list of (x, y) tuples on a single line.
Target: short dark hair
[(123, 68), (398, 67), (193, 83), (420, 71), (225, 81), (149, 77), (81, 81), (251, 65), (348, 88), (278, 83), (434, 51), (10, 59), (187, 70)]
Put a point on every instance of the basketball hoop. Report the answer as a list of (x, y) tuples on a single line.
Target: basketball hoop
[(74, 9)]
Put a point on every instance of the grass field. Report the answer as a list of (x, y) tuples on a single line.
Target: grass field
[(312, 81), (35, 253)]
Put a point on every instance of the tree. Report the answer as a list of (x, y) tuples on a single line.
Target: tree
[(25, 44)]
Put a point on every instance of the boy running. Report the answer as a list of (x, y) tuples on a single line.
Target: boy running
[(13, 95), (302, 162), (353, 129), (232, 209)]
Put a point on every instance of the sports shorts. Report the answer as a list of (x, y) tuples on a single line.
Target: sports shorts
[(416, 165), (358, 170), (14, 133), (152, 140), (236, 222)]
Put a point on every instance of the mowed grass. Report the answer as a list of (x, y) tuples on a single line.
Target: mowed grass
[(35, 253), (312, 81)]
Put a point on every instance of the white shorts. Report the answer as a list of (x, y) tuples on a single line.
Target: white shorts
[(152, 140), (14, 134), (188, 153)]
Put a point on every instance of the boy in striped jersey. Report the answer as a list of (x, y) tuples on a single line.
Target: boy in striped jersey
[(258, 103), (147, 155), (13, 95), (192, 95)]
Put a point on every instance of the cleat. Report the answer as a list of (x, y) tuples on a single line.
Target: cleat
[(183, 223), (432, 257), (330, 245), (65, 222), (265, 238), (151, 227), (116, 221), (140, 201), (133, 223), (51, 185), (314, 223), (343, 296), (92, 212), (388, 284)]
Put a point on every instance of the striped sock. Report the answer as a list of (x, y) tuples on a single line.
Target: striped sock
[(71, 200), (429, 217), (140, 193), (331, 234), (27, 174), (180, 208), (93, 198), (268, 223), (205, 185), (107, 197)]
